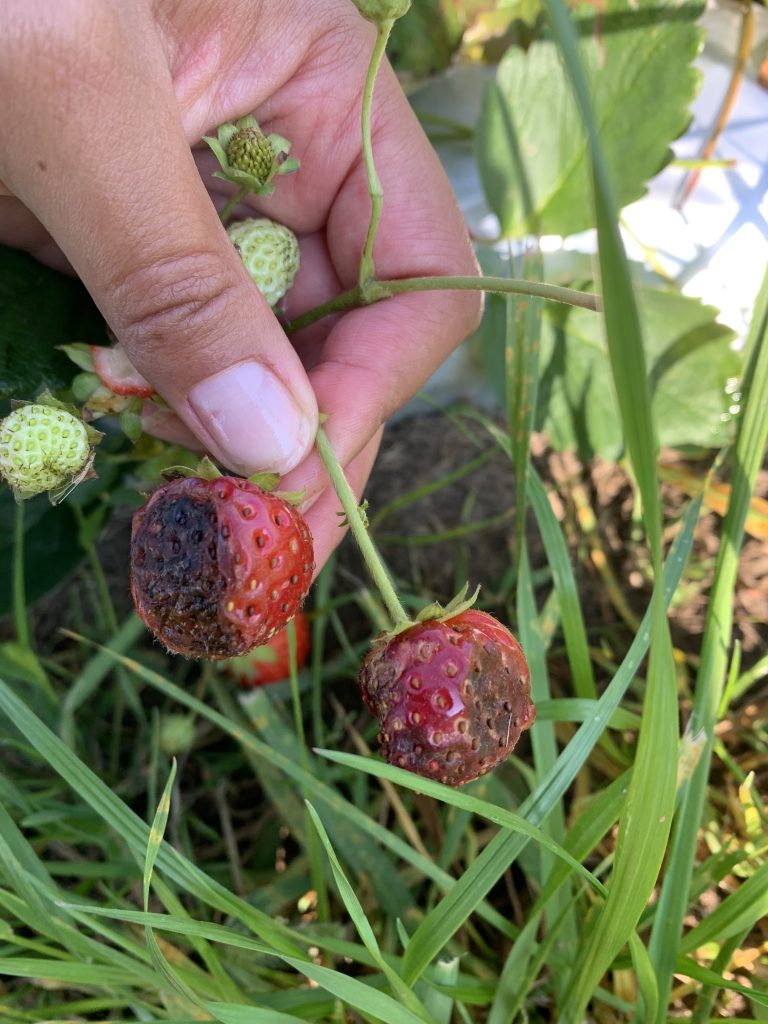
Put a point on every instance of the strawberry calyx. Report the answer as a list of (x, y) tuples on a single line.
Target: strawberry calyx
[(206, 469), (433, 612)]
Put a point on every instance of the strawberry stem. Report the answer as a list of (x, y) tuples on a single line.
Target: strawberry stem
[(375, 291), (357, 525), (228, 207), (21, 622), (367, 268)]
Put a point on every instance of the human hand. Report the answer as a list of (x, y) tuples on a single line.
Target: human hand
[(100, 170)]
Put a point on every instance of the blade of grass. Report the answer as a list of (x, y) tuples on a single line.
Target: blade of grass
[(92, 675), (691, 968), (355, 910), (317, 874), (748, 449), (229, 1014), (646, 821), (744, 907), (128, 825), (355, 993), (584, 834), (459, 798), (154, 844), (544, 747), (571, 618)]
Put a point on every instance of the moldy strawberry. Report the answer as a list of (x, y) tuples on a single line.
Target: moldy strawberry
[(218, 565), (452, 696)]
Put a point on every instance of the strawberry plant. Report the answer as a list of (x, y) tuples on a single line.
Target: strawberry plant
[(441, 818)]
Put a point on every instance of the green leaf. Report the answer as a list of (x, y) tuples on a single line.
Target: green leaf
[(690, 363), (40, 309), (531, 147)]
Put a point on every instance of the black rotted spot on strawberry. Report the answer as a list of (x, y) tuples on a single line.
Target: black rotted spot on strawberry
[(177, 576)]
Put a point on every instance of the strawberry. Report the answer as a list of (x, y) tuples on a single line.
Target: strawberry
[(270, 253), (116, 372), (45, 447), (218, 566), (250, 150), (271, 663), (452, 697)]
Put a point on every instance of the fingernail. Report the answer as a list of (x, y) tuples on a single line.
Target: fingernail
[(252, 419)]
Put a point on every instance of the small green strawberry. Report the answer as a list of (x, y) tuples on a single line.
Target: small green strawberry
[(45, 447), (250, 150), (248, 157), (270, 253)]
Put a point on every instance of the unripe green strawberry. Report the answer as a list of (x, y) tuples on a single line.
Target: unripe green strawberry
[(250, 150), (42, 448), (270, 253)]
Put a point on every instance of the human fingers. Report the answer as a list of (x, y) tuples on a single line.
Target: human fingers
[(91, 142)]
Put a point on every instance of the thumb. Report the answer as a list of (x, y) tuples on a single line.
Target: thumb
[(133, 218)]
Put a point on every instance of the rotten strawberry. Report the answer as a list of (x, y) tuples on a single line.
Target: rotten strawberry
[(218, 565), (452, 696)]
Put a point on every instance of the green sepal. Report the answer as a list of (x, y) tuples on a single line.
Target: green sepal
[(204, 470), (265, 481), (80, 354), (294, 498), (94, 435)]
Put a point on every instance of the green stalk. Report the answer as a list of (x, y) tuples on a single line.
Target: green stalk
[(367, 268), (19, 593), (358, 526), (375, 291), (228, 207)]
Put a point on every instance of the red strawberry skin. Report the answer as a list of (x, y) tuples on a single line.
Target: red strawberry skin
[(218, 566), (452, 698), (116, 372), (272, 662)]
